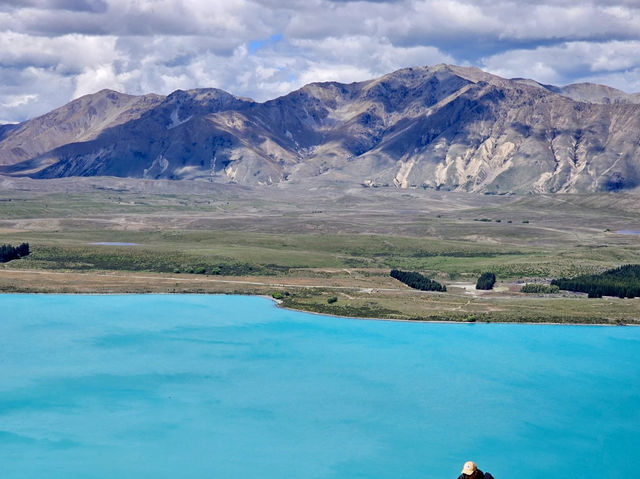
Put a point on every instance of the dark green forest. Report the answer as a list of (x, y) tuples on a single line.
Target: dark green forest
[(8, 252), (486, 281), (623, 282), (417, 281)]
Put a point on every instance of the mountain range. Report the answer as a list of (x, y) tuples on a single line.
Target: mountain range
[(442, 127)]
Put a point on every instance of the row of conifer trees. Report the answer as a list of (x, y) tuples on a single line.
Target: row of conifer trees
[(8, 252), (486, 281), (623, 282), (417, 281)]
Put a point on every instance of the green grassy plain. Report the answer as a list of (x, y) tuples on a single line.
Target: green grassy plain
[(330, 242)]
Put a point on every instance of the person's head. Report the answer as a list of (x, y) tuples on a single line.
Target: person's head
[(469, 469)]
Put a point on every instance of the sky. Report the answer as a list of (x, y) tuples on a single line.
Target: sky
[(53, 51)]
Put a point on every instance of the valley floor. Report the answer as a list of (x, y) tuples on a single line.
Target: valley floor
[(313, 244), (355, 298)]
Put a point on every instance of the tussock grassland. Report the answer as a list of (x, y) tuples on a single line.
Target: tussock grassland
[(329, 242)]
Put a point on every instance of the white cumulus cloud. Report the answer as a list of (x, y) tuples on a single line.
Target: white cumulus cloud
[(52, 51)]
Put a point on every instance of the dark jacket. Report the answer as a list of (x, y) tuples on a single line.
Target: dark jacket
[(477, 475)]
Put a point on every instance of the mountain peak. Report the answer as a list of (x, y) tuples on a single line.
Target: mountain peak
[(442, 126)]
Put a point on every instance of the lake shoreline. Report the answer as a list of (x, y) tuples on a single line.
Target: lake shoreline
[(441, 321), (279, 304)]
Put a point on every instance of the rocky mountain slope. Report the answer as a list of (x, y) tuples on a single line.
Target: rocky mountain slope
[(434, 127)]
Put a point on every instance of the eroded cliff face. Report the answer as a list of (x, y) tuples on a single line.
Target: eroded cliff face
[(438, 127)]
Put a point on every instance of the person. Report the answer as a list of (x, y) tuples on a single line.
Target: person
[(471, 471)]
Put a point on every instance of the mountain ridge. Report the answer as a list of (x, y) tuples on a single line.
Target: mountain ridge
[(445, 126)]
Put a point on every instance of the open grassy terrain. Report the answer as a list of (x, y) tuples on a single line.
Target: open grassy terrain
[(339, 241)]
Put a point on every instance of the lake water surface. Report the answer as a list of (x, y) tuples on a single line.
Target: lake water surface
[(232, 387)]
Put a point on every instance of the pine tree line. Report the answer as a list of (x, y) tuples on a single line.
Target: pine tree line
[(417, 281), (8, 252), (486, 281), (623, 282)]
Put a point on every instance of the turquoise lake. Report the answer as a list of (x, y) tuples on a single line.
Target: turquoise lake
[(177, 386)]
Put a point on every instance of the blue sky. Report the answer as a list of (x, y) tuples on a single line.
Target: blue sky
[(52, 51)]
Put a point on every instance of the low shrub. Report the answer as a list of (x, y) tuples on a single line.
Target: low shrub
[(539, 288)]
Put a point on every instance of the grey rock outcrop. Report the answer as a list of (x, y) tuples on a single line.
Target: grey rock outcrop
[(434, 127)]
